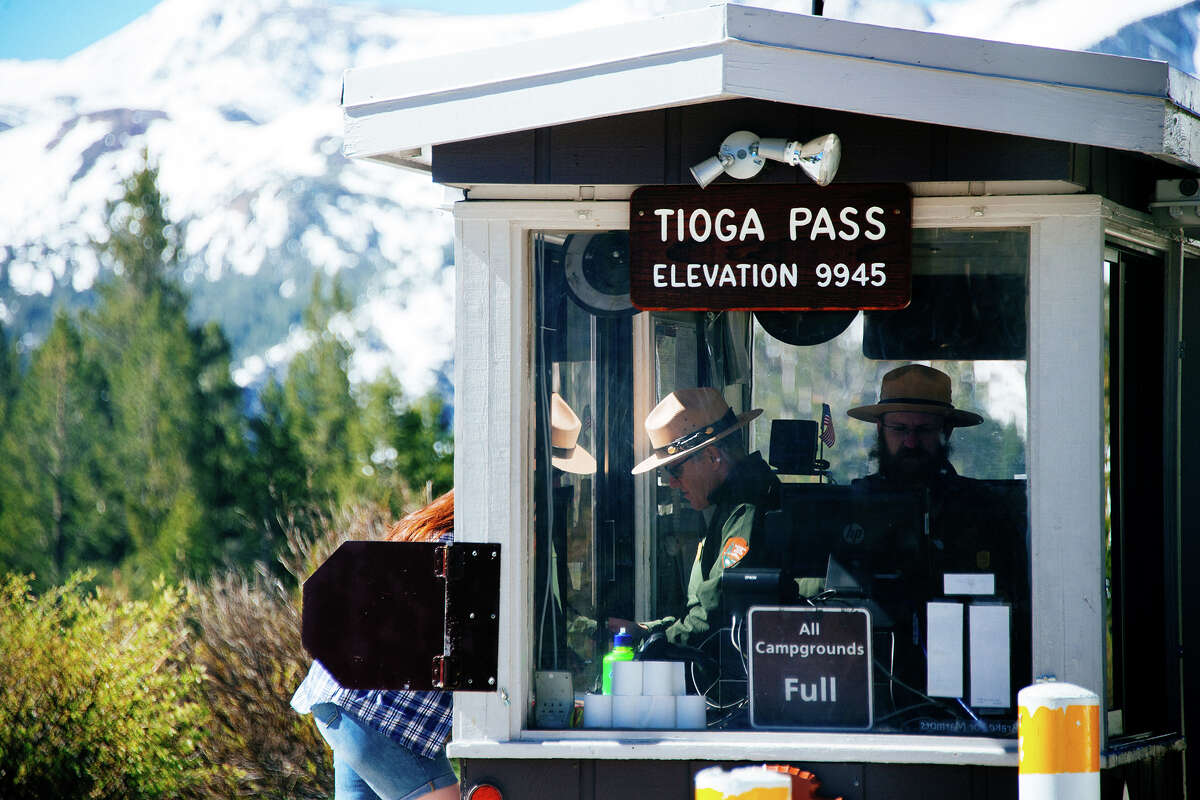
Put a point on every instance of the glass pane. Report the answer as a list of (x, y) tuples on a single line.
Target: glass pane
[(963, 515), (583, 526)]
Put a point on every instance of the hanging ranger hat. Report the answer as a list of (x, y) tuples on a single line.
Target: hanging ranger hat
[(916, 387), (564, 437), (686, 421)]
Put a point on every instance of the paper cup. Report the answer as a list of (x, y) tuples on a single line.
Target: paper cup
[(627, 678), (597, 711), (690, 712)]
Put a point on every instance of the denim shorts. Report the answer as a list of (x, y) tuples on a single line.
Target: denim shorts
[(368, 765)]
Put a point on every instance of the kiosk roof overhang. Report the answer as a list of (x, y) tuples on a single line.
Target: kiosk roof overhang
[(395, 113)]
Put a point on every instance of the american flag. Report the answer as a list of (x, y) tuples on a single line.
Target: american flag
[(827, 434)]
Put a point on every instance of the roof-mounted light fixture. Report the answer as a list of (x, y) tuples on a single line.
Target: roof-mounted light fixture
[(743, 154)]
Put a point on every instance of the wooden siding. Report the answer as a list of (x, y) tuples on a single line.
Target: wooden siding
[(658, 147)]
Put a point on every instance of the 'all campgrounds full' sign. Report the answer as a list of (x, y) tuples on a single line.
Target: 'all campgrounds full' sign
[(761, 247), (810, 668)]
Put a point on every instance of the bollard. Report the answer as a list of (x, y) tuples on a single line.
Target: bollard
[(1058, 742)]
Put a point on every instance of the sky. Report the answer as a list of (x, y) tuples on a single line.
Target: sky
[(33, 29)]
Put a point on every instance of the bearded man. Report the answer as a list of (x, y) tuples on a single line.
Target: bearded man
[(972, 527)]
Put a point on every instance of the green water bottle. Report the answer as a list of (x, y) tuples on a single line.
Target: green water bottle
[(622, 651)]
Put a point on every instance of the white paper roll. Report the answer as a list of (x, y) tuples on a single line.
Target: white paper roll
[(658, 712), (657, 678), (597, 711), (678, 681), (690, 712), (626, 710), (627, 678)]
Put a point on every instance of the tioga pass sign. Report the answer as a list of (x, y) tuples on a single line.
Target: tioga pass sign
[(771, 247)]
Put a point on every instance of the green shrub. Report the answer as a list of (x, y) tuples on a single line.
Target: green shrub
[(97, 698)]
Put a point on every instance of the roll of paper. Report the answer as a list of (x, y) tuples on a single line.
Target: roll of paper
[(678, 681), (627, 678), (626, 711), (658, 712), (597, 711), (690, 712), (657, 678)]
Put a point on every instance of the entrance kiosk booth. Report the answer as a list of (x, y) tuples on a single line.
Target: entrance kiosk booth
[(1016, 217)]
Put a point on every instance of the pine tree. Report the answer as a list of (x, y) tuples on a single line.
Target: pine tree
[(356, 443), (55, 468), (177, 432)]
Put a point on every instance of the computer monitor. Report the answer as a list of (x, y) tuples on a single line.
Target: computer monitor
[(873, 535)]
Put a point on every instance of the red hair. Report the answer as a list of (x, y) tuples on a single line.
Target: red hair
[(427, 524)]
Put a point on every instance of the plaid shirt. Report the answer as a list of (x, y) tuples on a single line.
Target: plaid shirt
[(418, 720)]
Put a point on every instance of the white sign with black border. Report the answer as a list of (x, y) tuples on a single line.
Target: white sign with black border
[(810, 668)]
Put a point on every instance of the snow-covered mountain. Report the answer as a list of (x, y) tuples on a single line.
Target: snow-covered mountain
[(238, 105)]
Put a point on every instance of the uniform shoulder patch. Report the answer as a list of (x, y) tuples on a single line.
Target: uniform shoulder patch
[(734, 551)]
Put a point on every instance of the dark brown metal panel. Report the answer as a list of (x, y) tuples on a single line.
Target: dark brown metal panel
[(1157, 778), (657, 780), (993, 783), (406, 615), (472, 616), (915, 781), (525, 779), (495, 159), (625, 149), (373, 614)]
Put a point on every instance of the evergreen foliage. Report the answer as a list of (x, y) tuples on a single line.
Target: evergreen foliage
[(127, 446), (177, 435), (56, 470)]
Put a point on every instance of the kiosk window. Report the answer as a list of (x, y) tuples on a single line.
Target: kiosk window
[(1140, 536), (929, 550)]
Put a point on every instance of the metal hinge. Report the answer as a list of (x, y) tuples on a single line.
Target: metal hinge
[(443, 671)]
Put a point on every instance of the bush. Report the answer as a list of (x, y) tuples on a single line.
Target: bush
[(249, 647), (97, 699)]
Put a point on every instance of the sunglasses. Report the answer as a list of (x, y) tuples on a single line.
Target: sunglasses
[(676, 470)]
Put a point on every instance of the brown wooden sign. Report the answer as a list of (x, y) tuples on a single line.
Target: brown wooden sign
[(759, 247)]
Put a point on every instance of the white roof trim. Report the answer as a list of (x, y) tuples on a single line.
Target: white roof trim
[(729, 51)]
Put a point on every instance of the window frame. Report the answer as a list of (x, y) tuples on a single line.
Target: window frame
[(493, 468)]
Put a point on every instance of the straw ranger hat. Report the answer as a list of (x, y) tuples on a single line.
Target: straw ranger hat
[(686, 421), (564, 439), (915, 387)]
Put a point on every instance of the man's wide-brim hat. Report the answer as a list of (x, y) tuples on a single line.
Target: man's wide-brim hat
[(686, 421), (919, 388), (565, 426)]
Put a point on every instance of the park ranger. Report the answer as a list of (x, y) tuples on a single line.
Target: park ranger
[(697, 440)]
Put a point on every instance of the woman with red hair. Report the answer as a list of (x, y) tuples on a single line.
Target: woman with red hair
[(387, 744)]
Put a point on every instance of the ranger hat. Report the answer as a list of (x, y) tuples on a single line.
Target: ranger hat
[(564, 439), (916, 387), (686, 421)]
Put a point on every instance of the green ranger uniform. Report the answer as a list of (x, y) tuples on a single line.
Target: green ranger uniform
[(750, 490)]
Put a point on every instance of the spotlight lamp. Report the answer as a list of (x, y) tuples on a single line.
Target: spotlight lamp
[(743, 154)]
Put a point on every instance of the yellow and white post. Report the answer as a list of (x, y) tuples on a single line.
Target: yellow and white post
[(1058, 742)]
